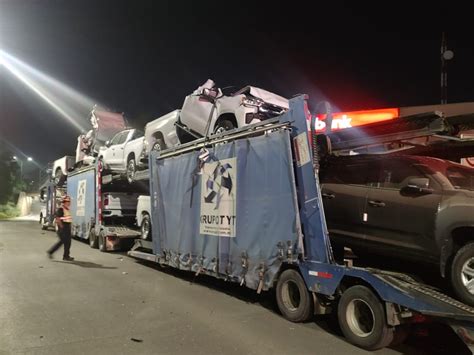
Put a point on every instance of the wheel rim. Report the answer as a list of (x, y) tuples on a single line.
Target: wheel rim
[(360, 318), (131, 169), (157, 147), (467, 275), (291, 296), (220, 129), (145, 229)]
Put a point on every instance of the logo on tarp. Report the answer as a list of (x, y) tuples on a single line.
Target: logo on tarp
[(81, 198), (218, 198)]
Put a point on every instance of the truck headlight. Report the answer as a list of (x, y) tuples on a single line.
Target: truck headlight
[(253, 102)]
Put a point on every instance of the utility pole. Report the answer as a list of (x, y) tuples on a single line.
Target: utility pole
[(446, 55)]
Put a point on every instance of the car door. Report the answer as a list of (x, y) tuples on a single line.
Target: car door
[(344, 192), (108, 153), (119, 155), (400, 222), (197, 109)]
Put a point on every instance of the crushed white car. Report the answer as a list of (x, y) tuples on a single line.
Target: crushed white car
[(207, 110)]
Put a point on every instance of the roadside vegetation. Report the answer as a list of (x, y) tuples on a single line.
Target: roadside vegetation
[(10, 184)]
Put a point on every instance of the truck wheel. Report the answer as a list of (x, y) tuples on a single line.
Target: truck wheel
[(102, 242), (93, 242), (401, 334), (293, 298), (159, 145), (224, 125), (146, 227), (131, 169), (362, 319), (462, 274)]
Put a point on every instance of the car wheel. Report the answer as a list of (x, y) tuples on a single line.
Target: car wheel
[(293, 298), (224, 125), (362, 319), (146, 227), (159, 145), (131, 170), (462, 274), (93, 242)]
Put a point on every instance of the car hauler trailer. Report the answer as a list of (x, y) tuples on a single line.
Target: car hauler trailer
[(245, 206), (103, 207)]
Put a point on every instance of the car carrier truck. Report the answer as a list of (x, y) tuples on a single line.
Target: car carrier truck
[(245, 206), (103, 207), (51, 195)]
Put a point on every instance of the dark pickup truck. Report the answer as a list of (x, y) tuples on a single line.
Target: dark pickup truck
[(409, 207)]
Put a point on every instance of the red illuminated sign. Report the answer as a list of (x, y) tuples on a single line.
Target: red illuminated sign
[(343, 120)]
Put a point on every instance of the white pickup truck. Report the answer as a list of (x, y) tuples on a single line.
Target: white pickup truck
[(122, 152)]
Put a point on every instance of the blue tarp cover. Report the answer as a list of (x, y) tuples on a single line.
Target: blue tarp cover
[(252, 175)]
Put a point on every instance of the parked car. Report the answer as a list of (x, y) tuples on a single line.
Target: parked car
[(143, 216), (207, 110), (122, 152), (61, 167), (161, 133), (409, 207)]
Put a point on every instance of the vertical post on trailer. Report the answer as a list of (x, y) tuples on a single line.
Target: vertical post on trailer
[(99, 206), (316, 239)]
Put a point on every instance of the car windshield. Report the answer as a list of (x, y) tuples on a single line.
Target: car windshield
[(461, 178)]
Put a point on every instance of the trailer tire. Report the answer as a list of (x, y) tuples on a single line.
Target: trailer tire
[(93, 242), (293, 298), (401, 334), (362, 319), (145, 227), (102, 241), (461, 271)]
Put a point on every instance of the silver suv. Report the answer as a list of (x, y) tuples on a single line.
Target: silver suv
[(207, 110)]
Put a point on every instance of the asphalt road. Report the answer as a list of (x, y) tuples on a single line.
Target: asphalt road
[(108, 303)]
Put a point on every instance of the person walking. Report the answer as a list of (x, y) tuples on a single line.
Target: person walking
[(63, 221)]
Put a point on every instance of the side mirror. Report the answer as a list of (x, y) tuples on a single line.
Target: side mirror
[(418, 186)]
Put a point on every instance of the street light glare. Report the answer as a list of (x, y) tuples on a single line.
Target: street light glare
[(29, 159), (69, 103)]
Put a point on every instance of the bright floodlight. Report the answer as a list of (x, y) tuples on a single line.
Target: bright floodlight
[(15, 157), (70, 104), (29, 159)]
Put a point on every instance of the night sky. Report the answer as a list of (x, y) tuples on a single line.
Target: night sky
[(143, 57)]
